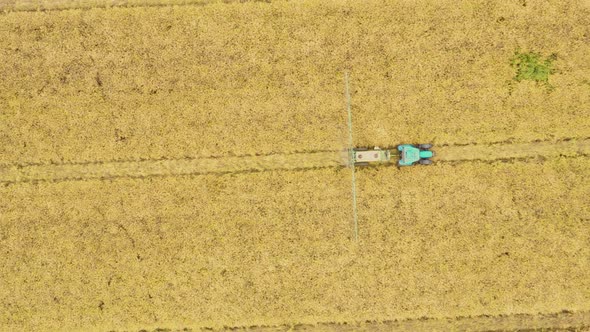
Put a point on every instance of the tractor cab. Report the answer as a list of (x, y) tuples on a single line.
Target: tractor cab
[(410, 154)]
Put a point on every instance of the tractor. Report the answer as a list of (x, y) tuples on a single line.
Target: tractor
[(409, 154)]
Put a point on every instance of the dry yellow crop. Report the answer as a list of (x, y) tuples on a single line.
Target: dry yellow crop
[(268, 77), (180, 166), (275, 248)]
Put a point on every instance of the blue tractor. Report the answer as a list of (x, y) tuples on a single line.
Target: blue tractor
[(409, 155)]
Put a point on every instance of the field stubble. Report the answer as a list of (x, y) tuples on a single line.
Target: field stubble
[(188, 83), (200, 81), (271, 248)]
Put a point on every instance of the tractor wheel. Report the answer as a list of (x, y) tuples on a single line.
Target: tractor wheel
[(425, 146), (425, 162), (362, 164)]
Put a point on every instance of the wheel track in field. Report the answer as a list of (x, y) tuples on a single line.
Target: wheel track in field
[(105, 170), (507, 151), (59, 5), (562, 321)]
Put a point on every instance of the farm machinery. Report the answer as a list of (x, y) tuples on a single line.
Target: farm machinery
[(409, 155)]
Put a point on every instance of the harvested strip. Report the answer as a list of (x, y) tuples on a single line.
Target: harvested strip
[(116, 169), (509, 151), (237, 164), (33, 5)]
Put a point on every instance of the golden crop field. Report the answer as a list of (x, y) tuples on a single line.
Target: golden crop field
[(181, 164), (263, 78), (260, 249)]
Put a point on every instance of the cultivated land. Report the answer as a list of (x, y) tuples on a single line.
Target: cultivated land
[(275, 247), (261, 78), (181, 166)]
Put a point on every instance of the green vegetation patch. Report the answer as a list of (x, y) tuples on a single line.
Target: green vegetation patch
[(531, 66)]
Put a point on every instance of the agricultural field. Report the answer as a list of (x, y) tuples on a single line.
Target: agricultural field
[(182, 164)]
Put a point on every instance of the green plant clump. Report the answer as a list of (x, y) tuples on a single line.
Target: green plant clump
[(530, 66)]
